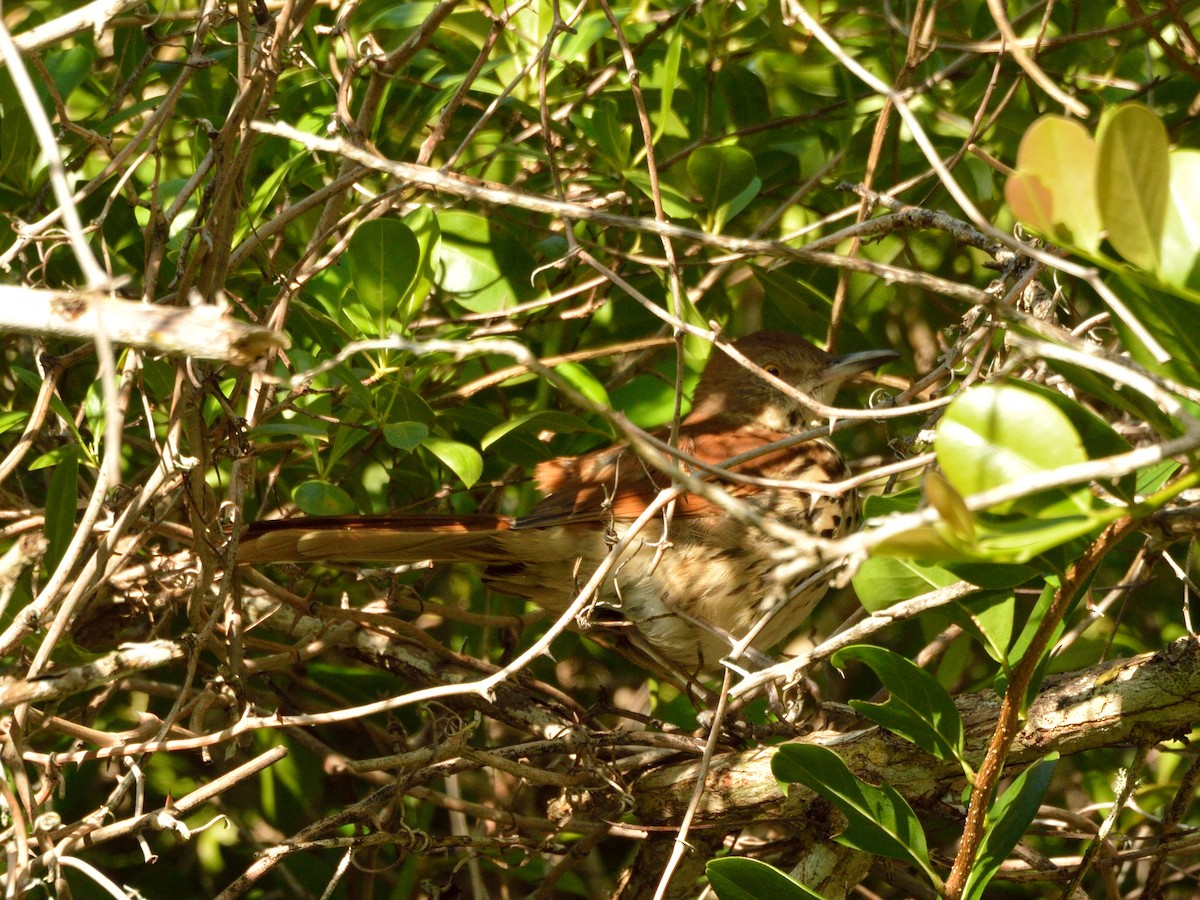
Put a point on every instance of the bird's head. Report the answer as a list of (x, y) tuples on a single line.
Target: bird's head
[(732, 394)]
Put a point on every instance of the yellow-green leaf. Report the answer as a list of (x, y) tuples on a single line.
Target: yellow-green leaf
[(1054, 188), (1132, 177)]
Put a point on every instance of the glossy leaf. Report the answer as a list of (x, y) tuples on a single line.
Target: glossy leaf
[(13, 420), (882, 581), (409, 406), (424, 225), (989, 618), (919, 708), (879, 820), (954, 513), (675, 204), (69, 69), (613, 134), (481, 263), (996, 540), (997, 434), (669, 78), (739, 878), (463, 461), (583, 381)]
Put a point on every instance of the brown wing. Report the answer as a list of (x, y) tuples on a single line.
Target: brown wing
[(614, 483)]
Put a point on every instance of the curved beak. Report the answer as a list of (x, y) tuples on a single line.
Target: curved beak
[(844, 367)]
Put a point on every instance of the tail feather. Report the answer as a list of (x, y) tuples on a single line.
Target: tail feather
[(377, 539)]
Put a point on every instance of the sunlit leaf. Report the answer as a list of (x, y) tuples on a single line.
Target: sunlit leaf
[(998, 434), (1054, 189), (583, 381), (463, 461), (882, 581), (1132, 182), (1181, 232)]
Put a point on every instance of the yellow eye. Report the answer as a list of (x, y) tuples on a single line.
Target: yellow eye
[(772, 369)]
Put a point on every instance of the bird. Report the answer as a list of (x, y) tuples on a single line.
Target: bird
[(693, 580)]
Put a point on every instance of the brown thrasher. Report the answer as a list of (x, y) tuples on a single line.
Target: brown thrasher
[(679, 600)]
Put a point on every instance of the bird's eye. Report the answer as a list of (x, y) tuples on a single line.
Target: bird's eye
[(772, 369)]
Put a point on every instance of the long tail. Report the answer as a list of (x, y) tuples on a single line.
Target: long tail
[(378, 539)]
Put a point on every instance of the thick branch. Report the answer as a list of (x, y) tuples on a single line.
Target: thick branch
[(203, 332), (1142, 700)]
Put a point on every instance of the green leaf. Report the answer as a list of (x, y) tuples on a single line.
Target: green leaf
[(406, 436), (264, 194), (33, 381), (950, 507), (1170, 320), (583, 381), (738, 878), (1054, 189), (1132, 182), (880, 821), (727, 211), (61, 496), (1180, 248), (289, 428), (546, 420), (53, 457), (320, 498), (997, 434), (989, 618), (481, 263), (919, 708), (799, 300), (1025, 639), (18, 144), (996, 540), (384, 258), (69, 69), (343, 439), (424, 225), (409, 406), (1096, 435), (1007, 821), (882, 581), (612, 133), (668, 78), (463, 461), (12, 420), (646, 400), (675, 204), (719, 174), (1154, 477)]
